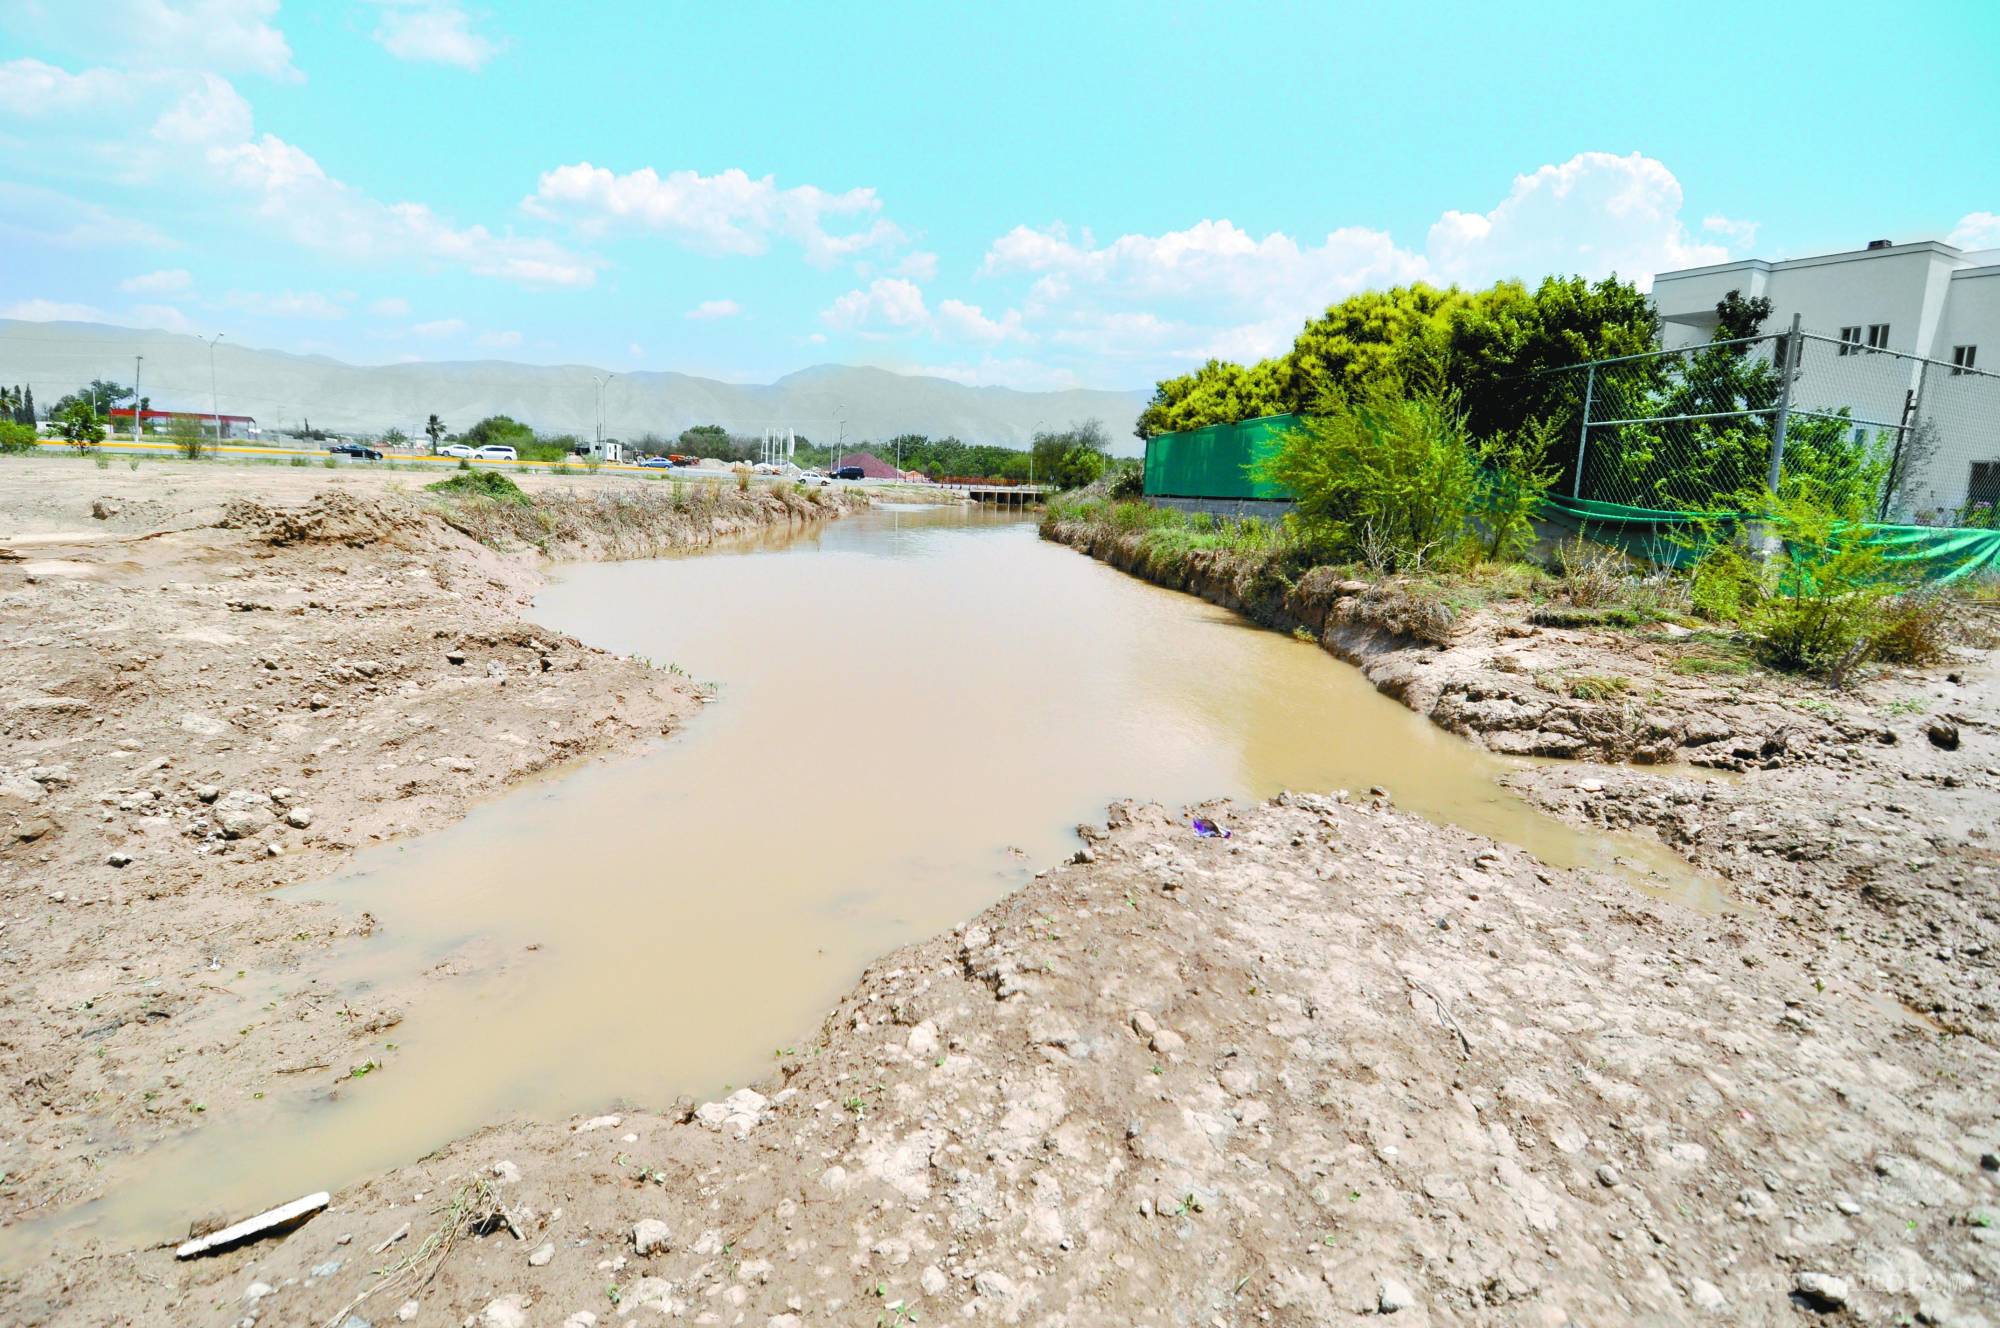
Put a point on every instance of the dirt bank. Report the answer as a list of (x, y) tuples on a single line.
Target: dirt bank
[(1344, 1063), (1870, 811), (221, 679)]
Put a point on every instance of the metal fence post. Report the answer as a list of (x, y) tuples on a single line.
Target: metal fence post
[(1583, 430), (1794, 348), (1912, 417)]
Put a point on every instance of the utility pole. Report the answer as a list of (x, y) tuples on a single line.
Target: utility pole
[(1031, 453), (600, 411), (137, 360), (214, 401)]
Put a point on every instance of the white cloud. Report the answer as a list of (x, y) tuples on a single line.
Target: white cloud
[(33, 89), (967, 322), (211, 112), (890, 300), (725, 213), (46, 216), (714, 309), (225, 35), (285, 304), (165, 317), (500, 340), (167, 281), (54, 311), (919, 266), (440, 328), (291, 190), (439, 33), (1739, 234), (1215, 289), (1595, 214), (636, 351), (1976, 230), (392, 306)]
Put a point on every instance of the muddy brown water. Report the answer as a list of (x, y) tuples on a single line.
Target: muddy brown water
[(915, 709)]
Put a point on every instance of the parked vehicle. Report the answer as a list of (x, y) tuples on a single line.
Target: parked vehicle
[(657, 463), (849, 473), (455, 450), (680, 460), (496, 452), (355, 450), (812, 477)]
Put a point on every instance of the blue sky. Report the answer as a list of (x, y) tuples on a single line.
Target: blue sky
[(1032, 195)]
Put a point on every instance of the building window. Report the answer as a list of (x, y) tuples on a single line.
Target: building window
[(1983, 488), (1850, 339), (1962, 358), (1878, 336)]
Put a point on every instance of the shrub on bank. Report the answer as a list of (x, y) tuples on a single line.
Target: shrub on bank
[(489, 484), (16, 437)]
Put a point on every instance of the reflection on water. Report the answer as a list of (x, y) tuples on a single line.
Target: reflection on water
[(917, 707)]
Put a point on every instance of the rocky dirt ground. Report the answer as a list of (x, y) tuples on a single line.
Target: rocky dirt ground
[(1343, 1064), (223, 678)]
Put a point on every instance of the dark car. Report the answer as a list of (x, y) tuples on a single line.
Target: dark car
[(849, 473), (355, 450)]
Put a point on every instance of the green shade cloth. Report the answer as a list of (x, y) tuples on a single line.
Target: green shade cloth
[(1214, 462)]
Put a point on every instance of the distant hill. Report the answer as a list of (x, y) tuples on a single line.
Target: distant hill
[(281, 390)]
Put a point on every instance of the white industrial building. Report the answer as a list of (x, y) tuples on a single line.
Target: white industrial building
[(1927, 299)]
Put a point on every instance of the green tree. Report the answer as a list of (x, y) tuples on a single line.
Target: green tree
[(498, 430), (80, 424), (434, 430), (394, 437), (1072, 457)]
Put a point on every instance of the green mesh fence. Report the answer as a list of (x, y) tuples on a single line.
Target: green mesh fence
[(1215, 462)]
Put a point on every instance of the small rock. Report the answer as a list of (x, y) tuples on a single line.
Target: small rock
[(997, 1285), (319, 701), (506, 1172), (407, 1311), (1942, 733), (454, 657), (505, 1312), (581, 1319), (281, 796), (1990, 1161), (327, 1269), (240, 814), (118, 859), (932, 1280), (924, 1040), (541, 1254), (258, 1290), (1608, 1176), (299, 817), (1847, 1205), (207, 792), (649, 1236), (1822, 1291), (1391, 1296), (1707, 1296)]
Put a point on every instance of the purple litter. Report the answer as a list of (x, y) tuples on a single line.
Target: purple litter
[(1208, 829)]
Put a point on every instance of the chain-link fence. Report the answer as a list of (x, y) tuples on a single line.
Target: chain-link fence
[(1688, 430)]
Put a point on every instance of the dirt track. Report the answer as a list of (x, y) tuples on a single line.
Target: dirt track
[(1344, 1063)]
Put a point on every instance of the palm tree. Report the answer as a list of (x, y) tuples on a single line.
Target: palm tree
[(435, 428)]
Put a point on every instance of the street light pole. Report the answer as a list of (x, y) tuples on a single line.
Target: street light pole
[(1031, 453), (137, 361), (214, 401), (600, 413)]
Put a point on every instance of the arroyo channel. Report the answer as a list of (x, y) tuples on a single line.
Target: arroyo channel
[(914, 709)]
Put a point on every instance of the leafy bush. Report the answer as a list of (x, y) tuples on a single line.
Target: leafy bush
[(1128, 483), (186, 435), (1399, 468), (1514, 479), (80, 423), (1919, 627), (1824, 596), (16, 437), (490, 484)]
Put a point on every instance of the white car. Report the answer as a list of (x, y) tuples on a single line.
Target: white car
[(455, 450), (496, 452), (812, 477)]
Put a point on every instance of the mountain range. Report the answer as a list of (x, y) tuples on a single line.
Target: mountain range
[(284, 391)]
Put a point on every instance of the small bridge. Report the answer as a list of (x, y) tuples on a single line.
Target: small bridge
[(1002, 495)]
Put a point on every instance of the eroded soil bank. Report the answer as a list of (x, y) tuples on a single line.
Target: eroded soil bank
[(1870, 812), (222, 679)]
